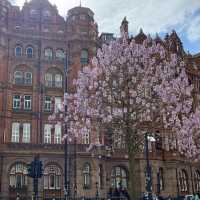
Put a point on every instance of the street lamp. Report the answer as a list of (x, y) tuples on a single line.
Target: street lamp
[(97, 190), (148, 166), (66, 155)]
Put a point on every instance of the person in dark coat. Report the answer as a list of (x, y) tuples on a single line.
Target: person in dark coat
[(110, 193)]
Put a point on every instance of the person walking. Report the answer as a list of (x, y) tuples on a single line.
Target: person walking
[(197, 197), (18, 197)]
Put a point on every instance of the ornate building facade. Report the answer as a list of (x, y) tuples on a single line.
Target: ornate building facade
[(37, 48)]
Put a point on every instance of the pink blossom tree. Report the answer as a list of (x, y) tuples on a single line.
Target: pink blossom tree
[(131, 88)]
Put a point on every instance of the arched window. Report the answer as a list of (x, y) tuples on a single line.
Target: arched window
[(86, 176), (84, 57), (29, 52), (18, 176), (183, 181), (18, 51), (118, 177), (160, 180), (197, 180), (58, 80), (18, 77), (48, 80), (28, 78), (48, 53), (52, 178), (60, 54)]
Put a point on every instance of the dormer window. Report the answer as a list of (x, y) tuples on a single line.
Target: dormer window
[(18, 51), (48, 53), (29, 52)]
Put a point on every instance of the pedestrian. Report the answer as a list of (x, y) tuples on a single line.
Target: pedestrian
[(116, 194), (18, 197), (125, 193), (110, 193), (197, 197)]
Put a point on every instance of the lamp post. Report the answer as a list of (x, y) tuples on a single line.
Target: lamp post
[(66, 149), (97, 190), (148, 169)]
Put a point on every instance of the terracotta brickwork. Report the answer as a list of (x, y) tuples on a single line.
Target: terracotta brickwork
[(38, 27)]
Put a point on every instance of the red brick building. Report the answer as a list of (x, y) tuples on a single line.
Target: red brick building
[(36, 44)]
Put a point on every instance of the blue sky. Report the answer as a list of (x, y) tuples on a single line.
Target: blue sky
[(153, 16)]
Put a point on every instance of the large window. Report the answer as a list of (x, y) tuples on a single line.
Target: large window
[(18, 176), (118, 177), (47, 104), (183, 181), (57, 134), (58, 80), (86, 137), (29, 52), (58, 104), (15, 132), (18, 51), (23, 78), (53, 80), (48, 53), (18, 76), (84, 57), (60, 54), (86, 176), (27, 78), (48, 80), (197, 180), (160, 180), (27, 102), (26, 132), (47, 133), (16, 102), (52, 178)]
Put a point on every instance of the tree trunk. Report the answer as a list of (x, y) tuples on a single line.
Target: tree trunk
[(133, 179), (132, 151)]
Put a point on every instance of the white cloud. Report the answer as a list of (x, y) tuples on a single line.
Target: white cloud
[(152, 15), (193, 31)]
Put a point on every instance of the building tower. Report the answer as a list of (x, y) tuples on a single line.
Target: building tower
[(81, 34)]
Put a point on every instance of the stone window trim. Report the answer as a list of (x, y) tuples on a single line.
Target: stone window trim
[(23, 78), (27, 102), (58, 134), (18, 176), (119, 177), (22, 102), (54, 80), (160, 180), (47, 133), (20, 132), (197, 180), (16, 102), (48, 53), (60, 54), (84, 58), (87, 183), (18, 50), (48, 104), (183, 181), (52, 177), (29, 51)]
